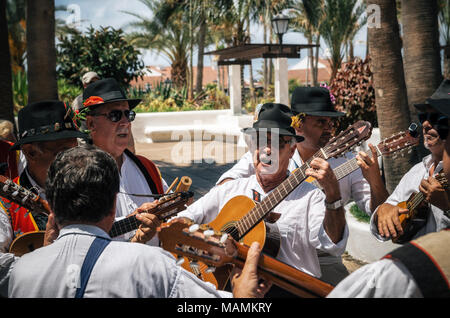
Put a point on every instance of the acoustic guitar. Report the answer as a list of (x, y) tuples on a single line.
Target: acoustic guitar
[(418, 210), (241, 217), (218, 249), (168, 205), (391, 146), (13, 192)]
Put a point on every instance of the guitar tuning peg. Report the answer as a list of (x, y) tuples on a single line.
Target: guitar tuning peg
[(208, 233), (25, 198), (15, 193), (180, 260), (224, 238), (210, 269), (6, 187), (193, 228), (194, 265)]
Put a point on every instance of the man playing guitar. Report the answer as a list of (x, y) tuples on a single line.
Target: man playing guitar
[(385, 222), (304, 223)]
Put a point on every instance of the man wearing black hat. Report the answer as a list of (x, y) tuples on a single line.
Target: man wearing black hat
[(45, 129), (109, 114), (304, 222), (314, 111), (422, 177), (421, 267)]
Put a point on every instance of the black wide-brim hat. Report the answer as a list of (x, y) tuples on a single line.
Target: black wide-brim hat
[(274, 118), (441, 94), (45, 121), (104, 91), (313, 101)]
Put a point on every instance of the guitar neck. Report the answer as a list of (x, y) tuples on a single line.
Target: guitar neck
[(254, 216), (285, 276), (123, 226)]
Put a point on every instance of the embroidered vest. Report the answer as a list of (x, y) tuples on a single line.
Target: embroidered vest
[(427, 258), (22, 221)]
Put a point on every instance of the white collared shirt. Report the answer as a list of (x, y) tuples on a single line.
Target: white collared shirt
[(300, 224), (125, 270), (408, 185), (132, 181), (353, 186)]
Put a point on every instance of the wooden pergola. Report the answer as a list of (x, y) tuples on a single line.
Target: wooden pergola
[(237, 56)]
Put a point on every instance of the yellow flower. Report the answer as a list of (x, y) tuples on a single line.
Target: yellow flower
[(297, 120)]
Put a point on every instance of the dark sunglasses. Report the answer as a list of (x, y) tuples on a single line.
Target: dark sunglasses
[(438, 121), (116, 115)]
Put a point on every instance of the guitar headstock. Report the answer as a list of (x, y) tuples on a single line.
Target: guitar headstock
[(442, 179), (349, 138), (171, 204), (404, 140), (21, 196), (197, 242)]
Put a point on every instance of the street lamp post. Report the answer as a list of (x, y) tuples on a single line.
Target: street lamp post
[(280, 24)]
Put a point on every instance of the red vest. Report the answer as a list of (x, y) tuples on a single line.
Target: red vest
[(9, 157), (21, 219)]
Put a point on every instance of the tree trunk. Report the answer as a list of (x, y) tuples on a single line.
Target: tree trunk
[(316, 63), (390, 88), (6, 97), (41, 52), (200, 57), (421, 46)]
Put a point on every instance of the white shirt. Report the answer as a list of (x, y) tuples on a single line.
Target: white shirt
[(408, 185), (300, 224), (124, 269), (132, 181), (353, 186), (385, 278)]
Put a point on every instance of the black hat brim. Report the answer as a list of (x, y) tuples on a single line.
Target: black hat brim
[(132, 103), (440, 105), (280, 131), (321, 113), (65, 134), (421, 107)]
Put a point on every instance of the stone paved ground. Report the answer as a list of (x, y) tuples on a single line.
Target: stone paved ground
[(201, 168)]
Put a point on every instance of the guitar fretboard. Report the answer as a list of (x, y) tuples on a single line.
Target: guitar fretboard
[(123, 226), (255, 215)]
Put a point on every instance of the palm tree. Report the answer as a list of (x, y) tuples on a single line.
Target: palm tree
[(341, 18), (444, 25), (421, 49), (167, 36), (389, 84), (422, 60), (15, 15), (41, 52), (6, 97)]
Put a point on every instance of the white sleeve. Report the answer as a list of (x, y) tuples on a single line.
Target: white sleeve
[(242, 169), (382, 279), (205, 209), (317, 234)]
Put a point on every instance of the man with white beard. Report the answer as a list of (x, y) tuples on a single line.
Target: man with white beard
[(385, 222)]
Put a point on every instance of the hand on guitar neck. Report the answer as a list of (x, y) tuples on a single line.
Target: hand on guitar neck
[(149, 223)]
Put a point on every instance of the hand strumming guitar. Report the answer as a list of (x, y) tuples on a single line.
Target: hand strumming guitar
[(388, 220), (150, 223)]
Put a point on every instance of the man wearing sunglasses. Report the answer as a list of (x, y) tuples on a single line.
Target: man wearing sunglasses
[(108, 118), (385, 222)]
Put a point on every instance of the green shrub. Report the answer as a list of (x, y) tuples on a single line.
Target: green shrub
[(361, 216)]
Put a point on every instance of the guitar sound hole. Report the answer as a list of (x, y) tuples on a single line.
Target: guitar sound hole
[(231, 229)]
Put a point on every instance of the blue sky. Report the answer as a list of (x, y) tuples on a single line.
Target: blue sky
[(109, 13)]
